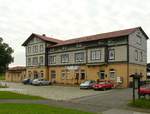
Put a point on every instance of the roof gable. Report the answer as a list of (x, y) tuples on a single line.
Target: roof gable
[(42, 37)]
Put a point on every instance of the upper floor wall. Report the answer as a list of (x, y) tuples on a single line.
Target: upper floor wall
[(95, 55), (35, 46), (137, 48), (36, 51)]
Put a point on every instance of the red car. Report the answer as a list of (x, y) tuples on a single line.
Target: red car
[(102, 85), (144, 91)]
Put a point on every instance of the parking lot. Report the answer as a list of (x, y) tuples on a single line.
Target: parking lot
[(73, 97), (52, 91)]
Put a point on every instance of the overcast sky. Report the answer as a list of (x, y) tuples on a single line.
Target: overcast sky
[(66, 19)]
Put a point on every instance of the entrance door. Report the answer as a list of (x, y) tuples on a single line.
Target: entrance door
[(53, 76), (77, 77), (35, 75)]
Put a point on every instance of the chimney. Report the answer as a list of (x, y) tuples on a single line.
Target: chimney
[(44, 35)]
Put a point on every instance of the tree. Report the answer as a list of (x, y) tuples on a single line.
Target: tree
[(5, 55)]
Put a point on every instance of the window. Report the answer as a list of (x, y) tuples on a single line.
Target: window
[(36, 49), (141, 55), (96, 55), (82, 75), (35, 61), (41, 48), (64, 48), (29, 50), (52, 59), (136, 55), (33, 49), (111, 54), (29, 61), (53, 74), (63, 74), (139, 39), (41, 60), (42, 74), (79, 57), (112, 74), (65, 58), (102, 75)]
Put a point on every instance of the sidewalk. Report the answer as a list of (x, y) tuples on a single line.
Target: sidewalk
[(121, 111)]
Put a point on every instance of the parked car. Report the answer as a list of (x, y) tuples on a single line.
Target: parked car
[(27, 81), (144, 90), (102, 85), (87, 84), (40, 82)]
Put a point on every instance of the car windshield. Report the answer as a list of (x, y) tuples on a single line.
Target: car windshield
[(86, 82)]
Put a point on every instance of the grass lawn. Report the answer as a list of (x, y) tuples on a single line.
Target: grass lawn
[(14, 108), (2, 76), (12, 95), (141, 103)]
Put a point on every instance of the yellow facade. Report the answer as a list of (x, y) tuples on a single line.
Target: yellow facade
[(133, 68), (15, 76), (36, 72), (76, 75), (118, 73)]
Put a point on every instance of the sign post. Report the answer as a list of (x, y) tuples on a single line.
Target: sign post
[(136, 84)]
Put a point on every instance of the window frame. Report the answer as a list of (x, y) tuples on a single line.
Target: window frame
[(81, 54), (136, 55), (42, 60), (50, 58), (29, 63), (112, 58), (65, 58), (114, 72), (95, 53)]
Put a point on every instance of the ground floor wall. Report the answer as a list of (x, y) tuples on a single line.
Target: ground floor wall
[(113, 72), (119, 73), (140, 69), (15, 76), (37, 72)]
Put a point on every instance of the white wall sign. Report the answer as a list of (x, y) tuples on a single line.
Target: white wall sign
[(72, 67)]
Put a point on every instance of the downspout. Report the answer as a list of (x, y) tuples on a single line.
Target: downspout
[(128, 61)]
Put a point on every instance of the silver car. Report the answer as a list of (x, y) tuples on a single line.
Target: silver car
[(40, 82), (87, 84)]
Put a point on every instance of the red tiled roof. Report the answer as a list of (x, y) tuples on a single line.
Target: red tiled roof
[(114, 34), (17, 68), (42, 37)]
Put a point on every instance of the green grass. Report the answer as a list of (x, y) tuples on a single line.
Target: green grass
[(14, 108), (141, 103), (2, 76), (12, 95)]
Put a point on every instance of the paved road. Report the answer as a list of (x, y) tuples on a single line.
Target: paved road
[(51, 92), (72, 97), (113, 99)]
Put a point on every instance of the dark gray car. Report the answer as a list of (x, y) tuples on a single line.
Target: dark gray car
[(87, 84)]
